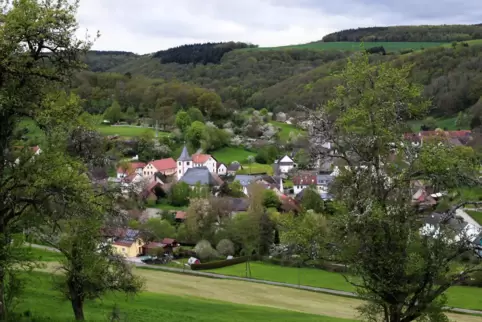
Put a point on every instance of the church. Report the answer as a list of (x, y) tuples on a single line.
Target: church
[(186, 162)]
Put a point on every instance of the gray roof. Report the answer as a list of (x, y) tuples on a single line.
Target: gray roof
[(200, 175), (184, 155), (245, 179), (322, 178), (234, 167)]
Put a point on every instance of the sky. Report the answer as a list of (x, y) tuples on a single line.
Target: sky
[(146, 26)]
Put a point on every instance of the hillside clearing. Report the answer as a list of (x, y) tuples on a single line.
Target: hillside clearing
[(127, 131), (355, 46), (286, 129)]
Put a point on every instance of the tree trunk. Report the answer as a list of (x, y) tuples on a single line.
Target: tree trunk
[(78, 307), (3, 308), (3, 263)]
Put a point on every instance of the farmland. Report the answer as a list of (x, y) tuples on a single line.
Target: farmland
[(348, 45), (41, 301), (458, 296)]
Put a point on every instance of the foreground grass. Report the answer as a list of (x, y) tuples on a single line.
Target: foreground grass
[(44, 303), (355, 46), (127, 131), (229, 154), (458, 296)]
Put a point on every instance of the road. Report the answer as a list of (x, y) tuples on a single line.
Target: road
[(227, 277)]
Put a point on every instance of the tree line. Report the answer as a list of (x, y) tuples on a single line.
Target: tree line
[(427, 33)]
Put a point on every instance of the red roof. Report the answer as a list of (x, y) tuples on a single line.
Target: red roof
[(130, 177), (452, 134), (133, 166), (164, 164), (154, 245), (304, 180), (200, 158), (168, 241), (35, 148), (181, 215)]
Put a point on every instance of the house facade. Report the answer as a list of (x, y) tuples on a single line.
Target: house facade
[(128, 243), (133, 167), (186, 162), (285, 164), (222, 170), (165, 166), (205, 160), (320, 181)]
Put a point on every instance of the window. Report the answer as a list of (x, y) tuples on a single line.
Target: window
[(123, 250), (188, 163), (179, 171), (179, 162)]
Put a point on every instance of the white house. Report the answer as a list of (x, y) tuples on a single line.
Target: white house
[(133, 167), (165, 166), (222, 170), (285, 164), (185, 162), (320, 181)]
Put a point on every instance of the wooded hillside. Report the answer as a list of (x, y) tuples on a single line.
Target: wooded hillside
[(443, 33)]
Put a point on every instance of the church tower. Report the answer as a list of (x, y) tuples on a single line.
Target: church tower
[(184, 162)]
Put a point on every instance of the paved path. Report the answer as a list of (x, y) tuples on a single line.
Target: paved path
[(236, 278)]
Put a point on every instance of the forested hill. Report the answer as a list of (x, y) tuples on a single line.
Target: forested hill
[(199, 53), (101, 61), (443, 33)]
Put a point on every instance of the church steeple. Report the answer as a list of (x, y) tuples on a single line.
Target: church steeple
[(184, 162)]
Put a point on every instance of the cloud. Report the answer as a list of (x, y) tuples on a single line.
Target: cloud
[(145, 26)]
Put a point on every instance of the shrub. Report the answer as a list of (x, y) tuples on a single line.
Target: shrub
[(219, 264), (205, 251), (225, 247)]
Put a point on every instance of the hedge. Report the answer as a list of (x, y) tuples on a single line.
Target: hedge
[(219, 264)]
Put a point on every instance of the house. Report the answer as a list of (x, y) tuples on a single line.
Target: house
[(302, 181), (165, 166), (267, 181), (149, 192), (181, 216), (133, 182), (128, 243), (133, 167), (205, 160), (233, 168), (285, 164), (462, 229), (221, 169), (237, 205), (201, 175)]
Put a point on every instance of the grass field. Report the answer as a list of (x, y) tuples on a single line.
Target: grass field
[(286, 129), (43, 302), (256, 168), (126, 131), (230, 154), (43, 255), (477, 215), (348, 45), (442, 123), (458, 296)]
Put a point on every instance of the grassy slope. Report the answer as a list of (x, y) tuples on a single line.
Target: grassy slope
[(286, 129), (476, 215), (42, 301), (458, 296), (230, 154), (126, 131)]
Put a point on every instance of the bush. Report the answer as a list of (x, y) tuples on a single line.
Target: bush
[(220, 264), (225, 247), (205, 251)]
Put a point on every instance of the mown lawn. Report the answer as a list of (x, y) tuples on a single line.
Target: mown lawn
[(256, 168), (126, 131), (286, 129), (42, 302), (442, 123), (458, 296), (355, 46), (43, 255), (477, 215), (229, 154)]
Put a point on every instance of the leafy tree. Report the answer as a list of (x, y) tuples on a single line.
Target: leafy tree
[(195, 134), (312, 200), (164, 116), (401, 270), (267, 154), (130, 115), (113, 114), (225, 247), (39, 54), (195, 114), (266, 233), (201, 220), (210, 104), (302, 159), (475, 122), (156, 229), (205, 251), (271, 199), (429, 124), (183, 121), (179, 194)]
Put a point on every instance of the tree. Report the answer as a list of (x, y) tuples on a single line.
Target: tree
[(195, 134), (429, 124), (312, 200), (39, 54), (475, 122), (271, 199), (164, 115), (266, 233), (225, 247), (195, 114), (156, 229), (210, 104), (183, 121), (130, 115), (401, 270), (179, 194), (302, 159), (113, 114)]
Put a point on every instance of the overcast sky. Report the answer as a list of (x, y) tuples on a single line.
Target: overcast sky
[(145, 26)]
